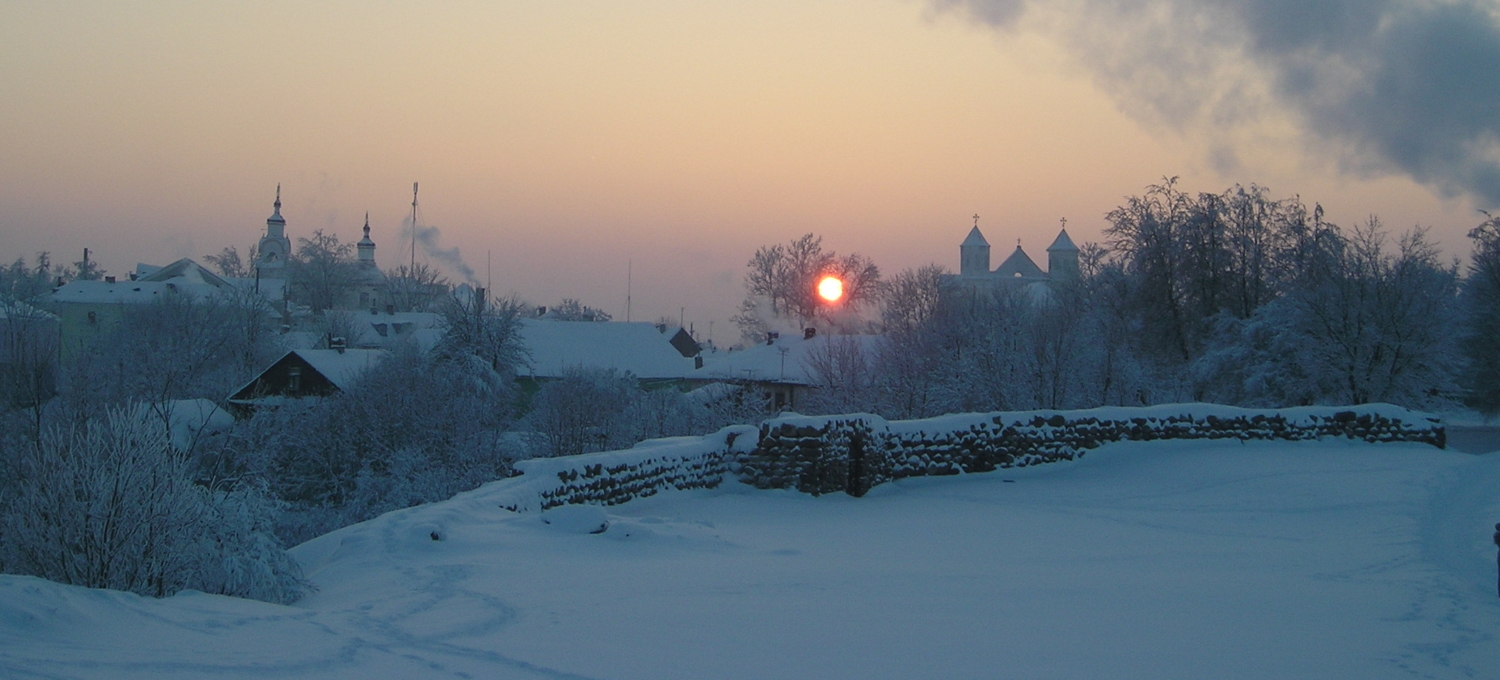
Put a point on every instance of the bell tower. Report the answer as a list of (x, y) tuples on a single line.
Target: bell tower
[(974, 253), (274, 248)]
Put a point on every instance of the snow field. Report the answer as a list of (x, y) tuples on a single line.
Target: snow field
[(1188, 559)]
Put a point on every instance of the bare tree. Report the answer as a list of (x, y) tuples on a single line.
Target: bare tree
[(785, 278)]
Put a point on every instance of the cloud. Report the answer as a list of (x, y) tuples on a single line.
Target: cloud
[(1385, 86)]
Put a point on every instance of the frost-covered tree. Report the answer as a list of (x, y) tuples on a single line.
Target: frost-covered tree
[(416, 288), (414, 428), (229, 263), (176, 347), (583, 411), (322, 271), (1364, 323), (1481, 299), (110, 504), (570, 309)]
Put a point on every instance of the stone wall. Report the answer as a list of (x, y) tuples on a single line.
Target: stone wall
[(615, 477), (852, 453)]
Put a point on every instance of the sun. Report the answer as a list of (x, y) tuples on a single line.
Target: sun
[(831, 289)]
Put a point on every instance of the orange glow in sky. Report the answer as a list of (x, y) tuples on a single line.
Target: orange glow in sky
[(597, 150), (831, 289)]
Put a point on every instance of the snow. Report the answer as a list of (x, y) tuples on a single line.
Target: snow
[(128, 292), (188, 419), (341, 367), (1185, 559), (634, 347)]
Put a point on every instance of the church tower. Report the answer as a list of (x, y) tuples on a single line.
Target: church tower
[(274, 248), (366, 246), (974, 253), (1062, 257)]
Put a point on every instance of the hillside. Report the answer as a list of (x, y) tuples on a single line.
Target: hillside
[(1142, 560)]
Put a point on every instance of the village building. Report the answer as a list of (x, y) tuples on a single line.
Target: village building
[(556, 347), (305, 373), (87, 310)]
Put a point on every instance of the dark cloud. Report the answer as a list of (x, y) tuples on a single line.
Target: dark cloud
[(1387, 85)]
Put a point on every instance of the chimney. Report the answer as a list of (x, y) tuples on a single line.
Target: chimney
[(771, 337), (698, 361), (390, 309), (336, 344), (109, 279), (808, 333)]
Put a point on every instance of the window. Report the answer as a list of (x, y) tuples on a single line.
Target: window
[(294, 379)]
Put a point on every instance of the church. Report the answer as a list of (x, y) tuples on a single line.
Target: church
[(1017, 271), (369, 289)]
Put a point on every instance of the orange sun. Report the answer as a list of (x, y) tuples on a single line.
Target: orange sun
[(831, 289)]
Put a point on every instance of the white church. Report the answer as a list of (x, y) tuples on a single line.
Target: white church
[(1017, 271), (275, 248)]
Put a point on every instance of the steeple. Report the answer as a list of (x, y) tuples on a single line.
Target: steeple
[(974, 253), (366, 246), (1062, 256), (274, 248), (276, 224)]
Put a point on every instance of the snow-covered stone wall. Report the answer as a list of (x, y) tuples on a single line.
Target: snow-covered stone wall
[(614, 477), (853, 453)]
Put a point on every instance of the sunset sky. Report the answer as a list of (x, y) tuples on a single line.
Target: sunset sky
[(571, 140)]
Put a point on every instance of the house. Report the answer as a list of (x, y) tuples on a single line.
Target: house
[(188, 270), (638, 348), (305, 373), (88, 310), (784, 369)]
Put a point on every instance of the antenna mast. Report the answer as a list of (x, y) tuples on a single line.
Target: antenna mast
[(412, 272), (629, 270)]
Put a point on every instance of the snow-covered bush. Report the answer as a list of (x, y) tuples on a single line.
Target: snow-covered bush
[(110, 504), (591, 410)]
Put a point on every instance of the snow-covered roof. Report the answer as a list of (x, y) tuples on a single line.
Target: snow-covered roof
[(637, 347), (786, 360), (381, 329), (974, 239), (341, 367), (1062, 243), (187, 270), (128, 292), (1019, 264)]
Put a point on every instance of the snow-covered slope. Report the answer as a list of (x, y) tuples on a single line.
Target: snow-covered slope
[(1144, 560)]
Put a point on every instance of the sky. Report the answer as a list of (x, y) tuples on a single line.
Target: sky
[(596, 149)]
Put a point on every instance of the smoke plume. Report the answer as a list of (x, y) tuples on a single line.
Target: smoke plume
[(450, 258), (1381, 86)]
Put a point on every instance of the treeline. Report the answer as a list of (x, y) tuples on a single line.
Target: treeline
[(1232, 298)]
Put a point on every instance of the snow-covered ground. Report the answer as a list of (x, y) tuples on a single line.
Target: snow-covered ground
[(1142, 560)]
